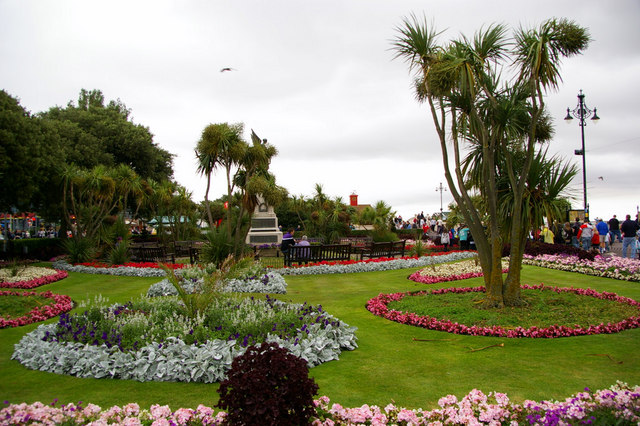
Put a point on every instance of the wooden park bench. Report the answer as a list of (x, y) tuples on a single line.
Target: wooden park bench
[(317, 253), (152, 253), (356, 242), (385, 249)]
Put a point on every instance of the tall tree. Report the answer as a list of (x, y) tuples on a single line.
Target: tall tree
[(220, 145), (29, 158), (470, 100)]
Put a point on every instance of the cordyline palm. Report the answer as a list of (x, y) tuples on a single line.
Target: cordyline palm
[(470, 102), (220, 145)]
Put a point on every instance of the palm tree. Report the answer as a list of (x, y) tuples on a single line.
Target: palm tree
[(220, 145), (470, 103)]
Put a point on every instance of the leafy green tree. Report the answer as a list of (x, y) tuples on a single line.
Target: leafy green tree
[(94, 133), (379, 217), (28, 158), (465, 86), (89, 196), (329, 219)]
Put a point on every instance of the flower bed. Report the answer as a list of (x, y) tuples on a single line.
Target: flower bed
[(253, 280), (31, 277), (61, 304), (378, 306), (139, 270), (619, 404), (104, 344), (451, 272), (610, 267), (371, 265)]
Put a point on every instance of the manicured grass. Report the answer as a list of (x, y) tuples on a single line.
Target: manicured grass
[(17, 306), (412, 366)]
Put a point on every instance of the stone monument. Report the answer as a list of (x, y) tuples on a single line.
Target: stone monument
[(264, 225)]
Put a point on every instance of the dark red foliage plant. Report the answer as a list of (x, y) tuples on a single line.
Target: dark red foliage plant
[(268, 385)]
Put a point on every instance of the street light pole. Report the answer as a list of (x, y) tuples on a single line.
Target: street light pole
[(441, 188), (582, 112)]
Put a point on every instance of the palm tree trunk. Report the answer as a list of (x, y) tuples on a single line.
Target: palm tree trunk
[(206, 201)]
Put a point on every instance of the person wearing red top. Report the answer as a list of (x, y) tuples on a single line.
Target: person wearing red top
[(586, 234)]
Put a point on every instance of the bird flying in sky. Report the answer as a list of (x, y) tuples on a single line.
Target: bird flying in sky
[(227, 69)]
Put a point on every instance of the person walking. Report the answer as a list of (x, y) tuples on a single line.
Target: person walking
[(547, 235), (629, 228), (586, 234), (444, 235), (575, 227), (603, 231), (614, 229), (463, 235)]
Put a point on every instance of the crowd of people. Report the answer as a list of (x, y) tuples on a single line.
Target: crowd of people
[(599, 235)]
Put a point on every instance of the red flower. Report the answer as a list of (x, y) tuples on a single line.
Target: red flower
[(37, 282)]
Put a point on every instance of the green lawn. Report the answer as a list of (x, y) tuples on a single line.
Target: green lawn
[(389, 364)]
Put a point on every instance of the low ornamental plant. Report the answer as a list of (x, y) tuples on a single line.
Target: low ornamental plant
[(618, 405), (267, 385)]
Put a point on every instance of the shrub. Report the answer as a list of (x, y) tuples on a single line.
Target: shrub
[(217, 248), (536, 248), (32, 248), (268, 386), (80, 250)]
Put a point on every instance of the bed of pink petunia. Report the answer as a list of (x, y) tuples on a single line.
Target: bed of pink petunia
[(619, 404), (61, 304), (610, 267)]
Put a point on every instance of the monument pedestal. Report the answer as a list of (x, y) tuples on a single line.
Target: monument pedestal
[(264, 226)]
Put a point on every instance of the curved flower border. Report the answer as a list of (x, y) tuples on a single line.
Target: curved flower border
[(620, 401), (128, 271), (56, 275), (373, 265), (378, 306), (62, 303), (610, 267)]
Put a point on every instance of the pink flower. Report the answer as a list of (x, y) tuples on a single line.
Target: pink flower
[(160, 411)]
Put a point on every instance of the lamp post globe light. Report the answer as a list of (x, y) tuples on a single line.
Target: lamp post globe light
[(441, 188), (582, 112)]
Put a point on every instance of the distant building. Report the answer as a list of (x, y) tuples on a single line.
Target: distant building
[(353, 202)]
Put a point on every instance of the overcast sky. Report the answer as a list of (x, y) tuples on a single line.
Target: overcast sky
[(317, 79)]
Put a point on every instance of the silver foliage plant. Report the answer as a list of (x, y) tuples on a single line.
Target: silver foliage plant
[(270, 283), (173, 360)]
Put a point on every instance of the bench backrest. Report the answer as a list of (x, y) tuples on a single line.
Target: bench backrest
[(318, 253)]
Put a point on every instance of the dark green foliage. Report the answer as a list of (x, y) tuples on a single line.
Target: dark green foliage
[(93, 131), (32, 248), (79, 249), (268, 386), (217, 248), (535, 248)]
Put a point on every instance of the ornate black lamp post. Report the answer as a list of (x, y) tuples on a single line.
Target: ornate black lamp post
[(441, 188), (582, 112)]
